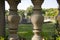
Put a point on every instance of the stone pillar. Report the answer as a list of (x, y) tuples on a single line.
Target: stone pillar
[(2, 17), (58, 17), (37, 19), (13, 19)]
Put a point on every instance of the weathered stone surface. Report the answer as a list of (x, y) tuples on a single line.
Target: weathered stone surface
[(2, 18), (58, 1), (37, 19), (58, 18), (13, 20), (13, 37)]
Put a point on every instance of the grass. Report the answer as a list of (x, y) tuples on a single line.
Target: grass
[(25, 30), (1, 38)]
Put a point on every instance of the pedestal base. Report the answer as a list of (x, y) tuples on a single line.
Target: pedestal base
[(36, 37)]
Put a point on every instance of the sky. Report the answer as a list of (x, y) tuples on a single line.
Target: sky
[(26, 3)]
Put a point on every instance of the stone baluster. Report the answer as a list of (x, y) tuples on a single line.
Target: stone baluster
[(58, 17), (13, 20), (37, 19), (2, 17)]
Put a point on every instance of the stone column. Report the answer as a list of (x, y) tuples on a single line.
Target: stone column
[(58, 17), (13, 20), (37, 19), (2, 17)]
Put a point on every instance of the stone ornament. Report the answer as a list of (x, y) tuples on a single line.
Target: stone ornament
[(37, 19)]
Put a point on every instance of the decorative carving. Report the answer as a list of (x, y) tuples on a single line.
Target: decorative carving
[(58, 18), (15, 2), (37, 19), (13, 20), (37, 2)]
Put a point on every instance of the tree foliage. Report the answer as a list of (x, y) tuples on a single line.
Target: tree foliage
[(29, 10), (6, 12), (51, 12), (21, 12)]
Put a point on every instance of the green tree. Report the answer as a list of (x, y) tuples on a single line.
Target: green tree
[(29, 10), (21, 12), (44, 10), (6, 12), (51, 12)]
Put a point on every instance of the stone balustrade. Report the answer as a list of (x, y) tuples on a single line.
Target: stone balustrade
[(2, 18), (13, 19), (37, 19), (58, 17)]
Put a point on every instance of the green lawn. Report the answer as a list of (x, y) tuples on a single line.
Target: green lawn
[(25, 30)]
